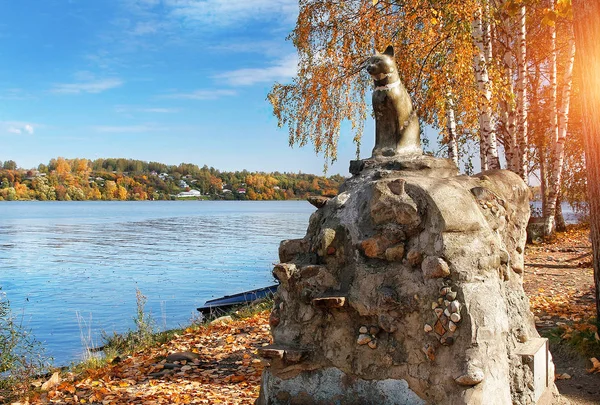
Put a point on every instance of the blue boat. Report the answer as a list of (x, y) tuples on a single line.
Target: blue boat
[(221, 305)]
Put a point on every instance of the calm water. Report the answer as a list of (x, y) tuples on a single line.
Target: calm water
[(570, 216), (60, 259)]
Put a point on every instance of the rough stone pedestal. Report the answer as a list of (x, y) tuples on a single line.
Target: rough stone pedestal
[(407, 289)]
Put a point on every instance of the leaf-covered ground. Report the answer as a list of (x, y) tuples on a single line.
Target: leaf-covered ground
[(558, 280), (226, 371)]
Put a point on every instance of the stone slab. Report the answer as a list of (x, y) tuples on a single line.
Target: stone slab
[(535, 353), (333, 386)]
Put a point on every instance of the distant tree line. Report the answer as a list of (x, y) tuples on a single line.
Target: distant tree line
[(128, 179)]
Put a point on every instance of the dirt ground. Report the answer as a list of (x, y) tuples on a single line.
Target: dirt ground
[(559, 282)]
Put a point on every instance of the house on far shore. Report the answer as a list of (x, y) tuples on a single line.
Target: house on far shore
[(189, 194)]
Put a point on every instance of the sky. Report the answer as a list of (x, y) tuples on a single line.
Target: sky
[(157, 80)]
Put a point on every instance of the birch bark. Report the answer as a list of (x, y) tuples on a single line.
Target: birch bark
[(521, 115), (488, 144), (451, 127), (507, 111), (559, 146), (549, 214)]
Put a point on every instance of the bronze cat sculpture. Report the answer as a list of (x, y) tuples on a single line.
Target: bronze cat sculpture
[(396, 123)]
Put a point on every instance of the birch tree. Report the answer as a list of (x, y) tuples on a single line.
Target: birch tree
[(481, 33), (451, 139), (506, 117), (550, 205), (512, 98), (522, 141), (558, 155), (557, 16)]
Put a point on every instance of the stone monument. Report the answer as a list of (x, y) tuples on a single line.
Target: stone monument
[(407, 288)]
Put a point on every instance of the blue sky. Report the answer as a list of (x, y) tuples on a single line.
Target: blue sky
[(163, 80)]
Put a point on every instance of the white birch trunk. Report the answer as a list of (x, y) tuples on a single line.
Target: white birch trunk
[(550, 213), (507, 115), (521, 115), (487, 32), (558, 156), (451, 127), (488, 147), (540, 140)]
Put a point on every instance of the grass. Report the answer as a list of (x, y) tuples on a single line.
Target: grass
[(580, 339), (21, 356), (146, 335), (248, 311), (116, 345)]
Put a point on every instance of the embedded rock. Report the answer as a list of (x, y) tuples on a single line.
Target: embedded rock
[(435, 267), (318, 201), (290, 249), (407, 289), (394, 254), (414, 257), (473, 376), (182, 356)]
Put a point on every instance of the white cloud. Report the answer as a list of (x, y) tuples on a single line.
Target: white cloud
[(92, 86), (103, 59), (154, 110), (145, 28), (15, 94), (283, 69), (226, 12), (269, 47), (159, 110), (203, 94), (17, 127), (215, 13), (127, 128)]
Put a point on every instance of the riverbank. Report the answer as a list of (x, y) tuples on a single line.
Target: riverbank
[(221, 366), (226, 369)]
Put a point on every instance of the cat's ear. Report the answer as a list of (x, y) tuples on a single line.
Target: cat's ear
[(389, 51)]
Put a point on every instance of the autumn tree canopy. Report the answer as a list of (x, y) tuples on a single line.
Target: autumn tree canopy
[(492, 73), (130, 179)]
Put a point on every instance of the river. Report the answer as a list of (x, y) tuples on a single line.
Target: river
[(60, 261)]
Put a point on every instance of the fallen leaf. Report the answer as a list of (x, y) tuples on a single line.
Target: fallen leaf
[(52, 382), (595, 366)]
